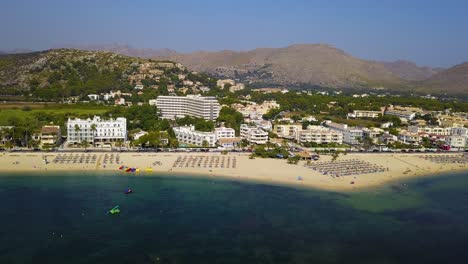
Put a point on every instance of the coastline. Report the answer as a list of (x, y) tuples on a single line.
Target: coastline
[(396, 167)]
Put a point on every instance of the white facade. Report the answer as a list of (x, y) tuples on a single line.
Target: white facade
[(172, 107), (139, 87), (459, 131), (440, 131), (104, 132), (351, 136), (402, 114), (288, 131), (364, 113), (152, 102), (457, 141), (188, 135), (224, 132), (320, 135), (409, 138), (253, 134), (94, 97)]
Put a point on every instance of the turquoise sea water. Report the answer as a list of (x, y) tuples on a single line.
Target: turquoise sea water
[(63, 219)]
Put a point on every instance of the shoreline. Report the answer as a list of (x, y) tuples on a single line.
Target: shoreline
[(238, 167)]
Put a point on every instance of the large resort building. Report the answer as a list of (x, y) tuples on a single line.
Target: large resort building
[(172, 107), (96, 131)]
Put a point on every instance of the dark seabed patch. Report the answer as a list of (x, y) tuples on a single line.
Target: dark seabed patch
[(64, 219)]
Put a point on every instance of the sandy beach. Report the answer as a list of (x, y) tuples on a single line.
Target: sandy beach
[(348, 172)]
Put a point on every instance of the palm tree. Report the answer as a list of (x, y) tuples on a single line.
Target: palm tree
[(93, 130), (84, 144), (205, 144), (119, 144), (78, 129)]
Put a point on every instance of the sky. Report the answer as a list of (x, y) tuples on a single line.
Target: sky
[(428, 32)]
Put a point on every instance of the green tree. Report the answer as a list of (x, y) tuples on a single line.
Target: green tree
[(93, 131), (77, 132)]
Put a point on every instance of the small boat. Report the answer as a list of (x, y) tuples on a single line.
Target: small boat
[(114, 210), (128, 191)]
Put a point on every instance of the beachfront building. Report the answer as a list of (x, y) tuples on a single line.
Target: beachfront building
[(388, 138), (96, 131), (224, 132), (229, 143), (431, 130), (351, 135), (188, 135), (372, 133), (172, 107), (290, 131), (409, 138), (253, 134), (364, 114), (50, 136), (320, 135), (457, 141)]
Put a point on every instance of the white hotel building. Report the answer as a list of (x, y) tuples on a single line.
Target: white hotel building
[(172, 107), (320, 135), (188, 135), (96, 131), (253, 134), (224, 132), (351, 135)]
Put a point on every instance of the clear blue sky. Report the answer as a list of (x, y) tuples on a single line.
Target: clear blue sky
[(429, 32)]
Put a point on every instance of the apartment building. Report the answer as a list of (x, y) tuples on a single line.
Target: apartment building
[(364, 114), (409, 137), (253, 134), (224, 132), (172, 107), (50, 135), (96, 131), (457, 141), (404, 115), (320, 135), (288, 131), (431, 130), (188, 135), (351, 135)]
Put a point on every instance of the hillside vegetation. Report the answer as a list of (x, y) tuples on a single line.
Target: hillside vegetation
[(61, 73)]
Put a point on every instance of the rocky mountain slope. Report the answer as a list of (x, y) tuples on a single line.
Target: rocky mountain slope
[(408, 70), (450, 81), (320, 65)]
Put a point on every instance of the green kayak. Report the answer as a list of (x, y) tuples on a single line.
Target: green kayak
[(114, 210)]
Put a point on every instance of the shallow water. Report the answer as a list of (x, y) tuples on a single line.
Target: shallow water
[(63, 219)]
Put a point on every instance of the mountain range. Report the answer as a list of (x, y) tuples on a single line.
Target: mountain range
[(309, 65)]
